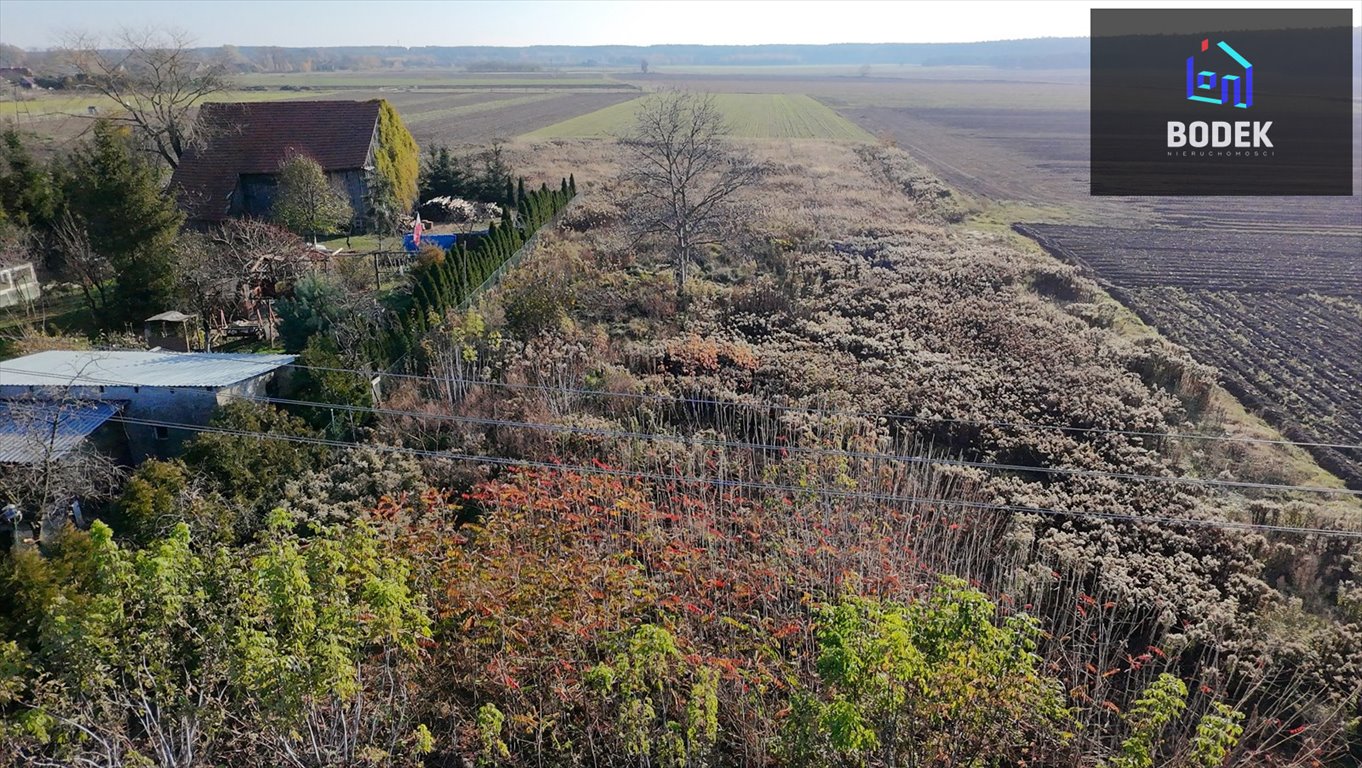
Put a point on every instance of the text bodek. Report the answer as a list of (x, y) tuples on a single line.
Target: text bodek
[(1241, 134)]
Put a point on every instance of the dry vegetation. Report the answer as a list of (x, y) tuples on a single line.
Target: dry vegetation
[(863, 399), (849, 293)]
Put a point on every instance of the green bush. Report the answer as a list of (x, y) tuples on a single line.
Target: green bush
[(534, 307), (398, 158), (175, 650), (317, 305), (161, 495), (251, 471), (325, 377), (901, 684)]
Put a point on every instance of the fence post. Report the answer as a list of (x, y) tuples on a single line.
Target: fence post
[(378, 285)]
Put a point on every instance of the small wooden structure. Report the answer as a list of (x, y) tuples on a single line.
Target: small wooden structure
[(173, 331)]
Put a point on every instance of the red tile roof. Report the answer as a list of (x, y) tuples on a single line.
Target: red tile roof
[(256, 137)]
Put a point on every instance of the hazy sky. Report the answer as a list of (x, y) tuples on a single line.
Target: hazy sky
[(40, 23)]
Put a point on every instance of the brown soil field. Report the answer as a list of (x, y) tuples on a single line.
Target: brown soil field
[(1267, 289), (457, 118), (1256, 262), (1296, 358), (1280, 316), (1037, 157)]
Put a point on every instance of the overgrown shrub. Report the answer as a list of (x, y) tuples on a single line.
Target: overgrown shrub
[(316, 306), (398, 158), (291, 650), (247, 470)]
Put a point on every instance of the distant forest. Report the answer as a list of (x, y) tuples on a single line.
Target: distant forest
[(1044, 53)]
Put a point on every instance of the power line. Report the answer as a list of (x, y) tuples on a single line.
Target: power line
[(866, 455), (868, 415), (791, 489)]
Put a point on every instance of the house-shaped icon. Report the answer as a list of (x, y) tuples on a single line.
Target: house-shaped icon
[(1203, 85)]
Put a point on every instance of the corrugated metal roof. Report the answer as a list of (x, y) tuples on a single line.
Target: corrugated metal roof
[(35, 431), (136, 369)]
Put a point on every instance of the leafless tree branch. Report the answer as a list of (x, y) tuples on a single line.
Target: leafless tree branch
[(684, 173), (158, 80)]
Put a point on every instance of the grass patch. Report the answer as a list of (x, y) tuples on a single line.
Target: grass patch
[(998, 218), (65, 312), (752, 115), (367, 243)]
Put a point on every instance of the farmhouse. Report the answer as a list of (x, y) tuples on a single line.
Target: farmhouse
[(232, 170), (160, 395)]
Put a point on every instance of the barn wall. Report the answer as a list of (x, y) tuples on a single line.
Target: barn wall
[(355, 185), (254, 193)]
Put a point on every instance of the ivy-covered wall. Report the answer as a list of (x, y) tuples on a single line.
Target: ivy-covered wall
[(397, 158)]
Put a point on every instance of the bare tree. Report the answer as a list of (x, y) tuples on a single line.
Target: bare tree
[(50, 469), (684, 173), (81, 263), (232, 268), (156, 77)]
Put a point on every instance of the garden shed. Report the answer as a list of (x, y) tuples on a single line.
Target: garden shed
[(163, 395)]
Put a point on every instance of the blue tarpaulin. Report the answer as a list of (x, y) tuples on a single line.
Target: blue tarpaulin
[(444, 242)]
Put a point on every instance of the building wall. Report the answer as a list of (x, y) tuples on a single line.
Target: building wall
[(356, 187), (255, 192), (194, 406)]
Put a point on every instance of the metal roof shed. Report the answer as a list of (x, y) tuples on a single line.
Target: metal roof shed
[(34, 432), (64, 368), (167, 394)]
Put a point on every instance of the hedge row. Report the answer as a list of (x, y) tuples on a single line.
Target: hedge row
[(444, 282)]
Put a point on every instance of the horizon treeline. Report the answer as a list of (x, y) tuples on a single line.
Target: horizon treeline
[(1057, 52)]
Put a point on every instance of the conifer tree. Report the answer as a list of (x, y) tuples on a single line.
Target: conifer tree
[(114, 193)]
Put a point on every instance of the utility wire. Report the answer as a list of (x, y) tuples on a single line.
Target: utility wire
[(789, 489), (867, 455), (868, 415)]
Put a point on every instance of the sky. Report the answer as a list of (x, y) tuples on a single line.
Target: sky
[(36, 24)]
